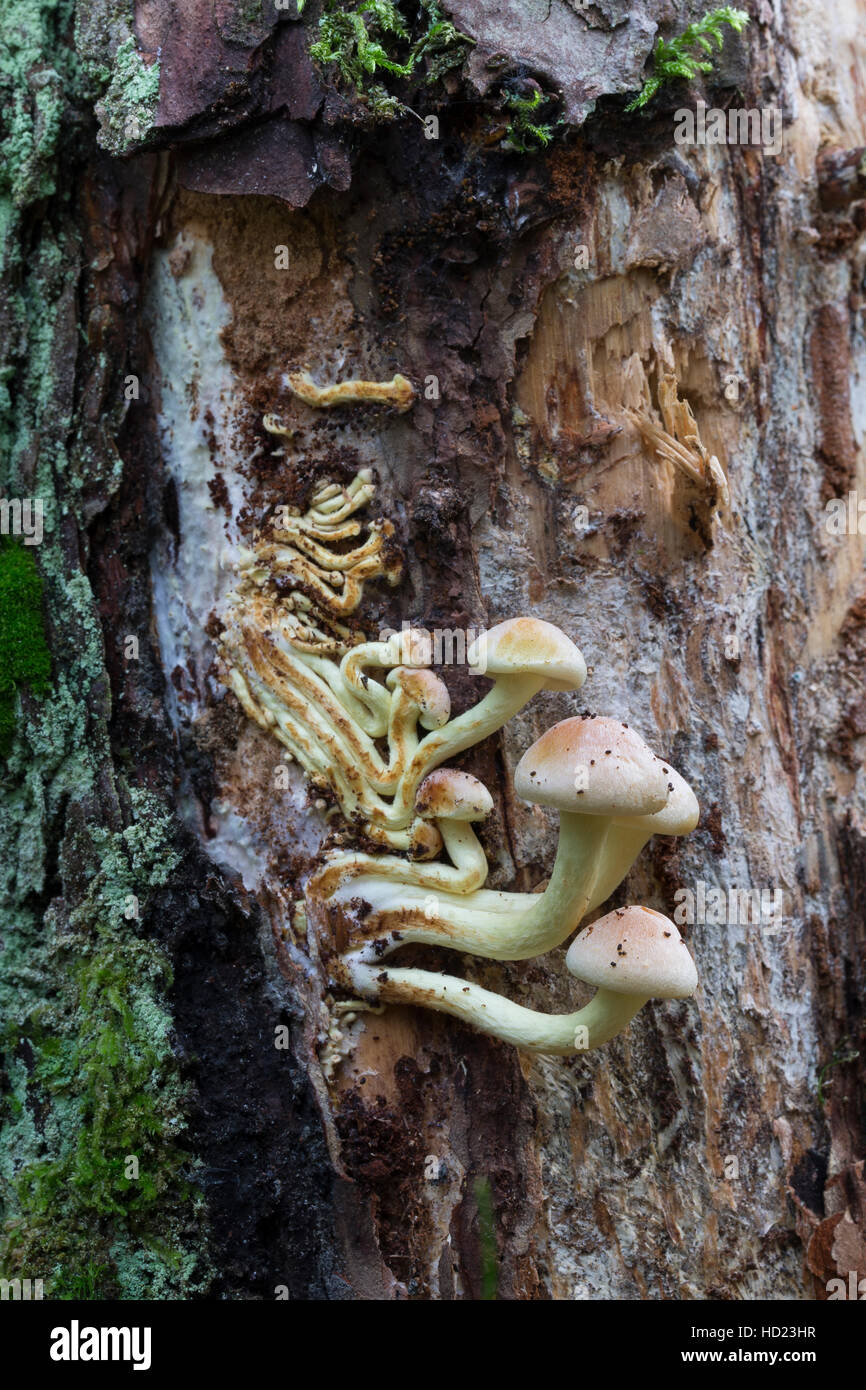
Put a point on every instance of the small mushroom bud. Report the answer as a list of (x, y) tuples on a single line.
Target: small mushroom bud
[(455, 799)]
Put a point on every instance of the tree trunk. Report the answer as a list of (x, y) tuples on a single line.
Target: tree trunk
[(194, 209)]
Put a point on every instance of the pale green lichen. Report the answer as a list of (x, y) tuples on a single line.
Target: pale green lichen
[(127, 111), (31, 98), (90, 1076)]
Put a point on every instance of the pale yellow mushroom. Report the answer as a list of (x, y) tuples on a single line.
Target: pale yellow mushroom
[(611, 792), (452, 800), (632, 955), (523, 655)]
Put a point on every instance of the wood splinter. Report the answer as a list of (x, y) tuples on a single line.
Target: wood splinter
[(680, 441)]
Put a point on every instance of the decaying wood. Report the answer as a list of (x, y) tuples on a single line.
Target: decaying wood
[(716, 1149)]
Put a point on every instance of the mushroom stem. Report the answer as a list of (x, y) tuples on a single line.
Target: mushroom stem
[(292, 692), (501, 926), (603, 1017), (372, 725), (508, 695), (421, 840), (370, 692), (465, 853), (467, 871), (397, 392), (620, 852)]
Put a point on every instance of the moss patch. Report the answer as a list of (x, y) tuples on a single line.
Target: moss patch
[(24, 654), (388, 39), (93, 1118), (90, 1080), (527, 130), (684, 57)]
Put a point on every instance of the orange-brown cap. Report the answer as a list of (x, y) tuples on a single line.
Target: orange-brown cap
[(426, 691), (596, 766), (634, 950), (452, 795)]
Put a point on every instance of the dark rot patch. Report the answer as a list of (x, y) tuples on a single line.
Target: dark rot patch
[(254, 1126)]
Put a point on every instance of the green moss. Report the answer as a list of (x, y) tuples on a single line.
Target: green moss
[(675, 59), (98, 1193), (392, 38), (24, 655), (487, 1237), (525, 134), (90, 1077)]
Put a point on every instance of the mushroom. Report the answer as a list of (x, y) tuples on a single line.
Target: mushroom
[(454, 800), (418, 697), (524, 655), (604, 768), (632, 955), (607, 786), (447, 802)]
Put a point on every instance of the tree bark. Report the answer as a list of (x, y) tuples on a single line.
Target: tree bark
[(171, 253)]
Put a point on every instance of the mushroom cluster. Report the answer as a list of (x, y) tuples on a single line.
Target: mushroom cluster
[(370, 724), (612, 794), (366, 720)]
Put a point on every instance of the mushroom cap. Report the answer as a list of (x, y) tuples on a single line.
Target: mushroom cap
[(598, 767), (452, 795), (529, 646), (426, 691), (424, 841), (682, 812), (634, 950), (411, 647)]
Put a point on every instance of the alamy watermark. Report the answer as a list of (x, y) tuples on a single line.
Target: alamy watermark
[(705, 905), (845, 516), (737, 126), (22, 517), (77, 1343), (438, 646), (853, 1291), (22, 1290)]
